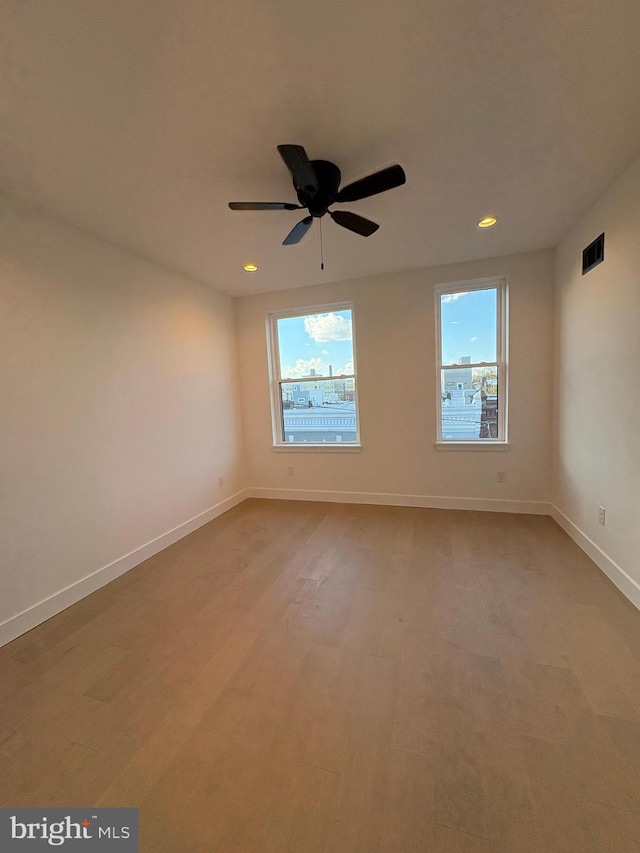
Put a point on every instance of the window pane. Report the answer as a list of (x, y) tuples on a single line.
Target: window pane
[(315, 345), (318, 411), (469, 403), (469, 324)]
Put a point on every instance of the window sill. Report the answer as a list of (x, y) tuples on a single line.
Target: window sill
[(301, 447), (485, 444)]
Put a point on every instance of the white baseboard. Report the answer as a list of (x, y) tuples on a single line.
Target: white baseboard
[(43, 610), (626, 584), (425, 501)]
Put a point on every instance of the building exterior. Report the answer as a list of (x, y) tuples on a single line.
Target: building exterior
[(457, 384)]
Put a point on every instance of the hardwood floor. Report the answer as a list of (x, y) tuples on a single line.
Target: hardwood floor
[(322, 678)]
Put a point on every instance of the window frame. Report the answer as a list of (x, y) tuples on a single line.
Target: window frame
[(276, 380), (500, 284)]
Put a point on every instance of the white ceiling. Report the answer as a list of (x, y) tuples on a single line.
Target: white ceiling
[(138, 120)]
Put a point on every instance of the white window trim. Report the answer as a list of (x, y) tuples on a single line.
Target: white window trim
[(502, 353), (273, 355)]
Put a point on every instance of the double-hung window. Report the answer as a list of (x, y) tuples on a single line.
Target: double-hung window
[(471, 355), (313, 378)]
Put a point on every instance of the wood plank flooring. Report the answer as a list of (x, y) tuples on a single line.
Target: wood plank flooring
[(323, 678)]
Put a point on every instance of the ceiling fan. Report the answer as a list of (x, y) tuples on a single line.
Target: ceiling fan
[(317, 183)]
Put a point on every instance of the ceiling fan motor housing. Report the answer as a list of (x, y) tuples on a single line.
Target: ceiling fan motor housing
[(328, 184)]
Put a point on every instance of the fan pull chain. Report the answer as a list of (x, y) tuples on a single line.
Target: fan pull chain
[(321, 249)]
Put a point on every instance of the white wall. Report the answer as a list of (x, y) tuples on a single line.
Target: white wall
[(394, 320), (597, 423), (119, 410)]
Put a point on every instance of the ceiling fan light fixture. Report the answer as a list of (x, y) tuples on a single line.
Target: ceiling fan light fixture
[(487, 222), (250, 268), (317, 185)]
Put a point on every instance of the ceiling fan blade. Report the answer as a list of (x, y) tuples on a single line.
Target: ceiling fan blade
[(298, 231), (378, 182), (263, 205), (302, 171), (353, 222)]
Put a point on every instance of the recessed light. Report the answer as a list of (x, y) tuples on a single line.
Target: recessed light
[(487, 222), (250, 268)]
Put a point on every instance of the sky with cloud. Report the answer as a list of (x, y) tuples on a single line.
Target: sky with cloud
[(316, 342), (469, 326)]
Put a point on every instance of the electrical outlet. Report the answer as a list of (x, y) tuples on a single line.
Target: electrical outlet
[(601, 514), (220, 481), (290, 470), (502, 476)]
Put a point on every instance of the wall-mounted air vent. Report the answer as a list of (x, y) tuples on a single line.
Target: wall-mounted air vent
[(593, 254)]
